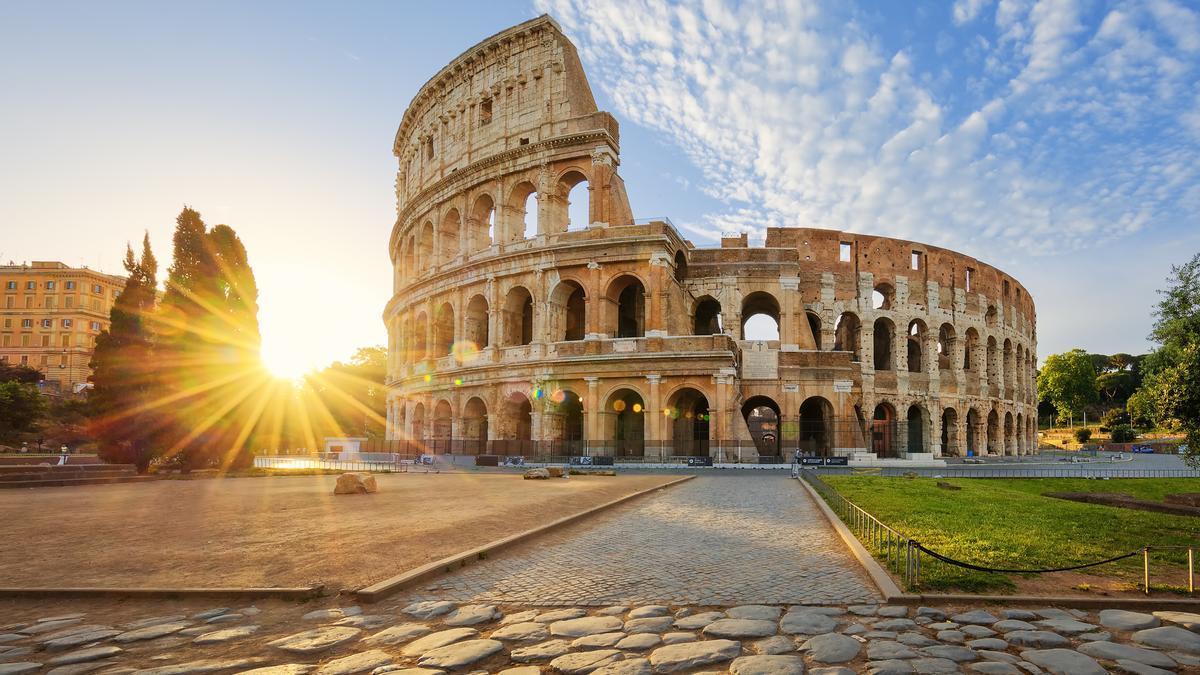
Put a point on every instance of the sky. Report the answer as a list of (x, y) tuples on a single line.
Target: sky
[(1059, 141)]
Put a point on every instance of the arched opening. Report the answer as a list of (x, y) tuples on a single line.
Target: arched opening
[(883, 297), (626, 413), (916, 422), (626, 303), (573, 187), (1008, 364), (993, 361), (448, 241), (681, 270), (762, 419), (517, 317), (522, 218), (474, 427), (568, 304), (443, 427), (707, 317), (883, 431), (564, 418), (950, 441), (687, 411), (974, 446), (1010, 441), (425, 261), (989, 317), (410, 258), (443, 331), (420, 343), (816, 427), (993, 433), (1019, 435), (945, 346), (516, 424), (814, 326), (760, 317), (847, 333), (418, 425), (475, 323), (969, 347), (884, 329), (483, 224), (916, 346), (400, 423)]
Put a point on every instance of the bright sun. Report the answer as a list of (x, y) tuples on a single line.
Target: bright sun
[(287, 364)]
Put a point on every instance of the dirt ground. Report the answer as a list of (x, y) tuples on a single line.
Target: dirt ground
[(276, 531)]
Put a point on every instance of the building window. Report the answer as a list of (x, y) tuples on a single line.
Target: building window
[(844, 252), (50, 302), (25, 340), (7, 340), (97, 289), (8, 323), (30, 285), (66, 340), (45, 340), (969, 272), (95, 325), (50, 285), (47, 323), (69, 301), (485, 112), (24, 359), (429, 148), (916, 260), (26, 323), (12, 285), (66, 323), (70, 285), (29, 302), (8, 302)]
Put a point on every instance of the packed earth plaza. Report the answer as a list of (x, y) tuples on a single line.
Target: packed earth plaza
[(515, 330)]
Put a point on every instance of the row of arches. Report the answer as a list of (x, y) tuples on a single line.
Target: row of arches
[(519, 320), (523, 213)]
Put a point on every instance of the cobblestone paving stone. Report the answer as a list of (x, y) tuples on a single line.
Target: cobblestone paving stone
[(715, 540)]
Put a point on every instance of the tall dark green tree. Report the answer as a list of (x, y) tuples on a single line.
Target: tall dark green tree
[(1068, 380), (123, 420)]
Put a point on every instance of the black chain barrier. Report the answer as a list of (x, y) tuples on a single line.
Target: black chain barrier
[(978, 568)]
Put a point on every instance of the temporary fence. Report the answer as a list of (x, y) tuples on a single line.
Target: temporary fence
[(908, 559)]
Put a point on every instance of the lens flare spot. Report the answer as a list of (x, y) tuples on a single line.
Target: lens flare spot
[(637, 407), (537, 394), (619, 405), (458, 381), (428, 378), (464, 351), (558, 396)]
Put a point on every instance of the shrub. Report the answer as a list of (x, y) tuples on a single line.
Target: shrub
[(1083, 435), (1123, 434), (1113, 418)]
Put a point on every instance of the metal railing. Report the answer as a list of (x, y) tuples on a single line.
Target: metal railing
[(906, 557), (1018, 471)]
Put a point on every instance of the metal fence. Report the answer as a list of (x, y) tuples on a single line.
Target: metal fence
[(908, 559), (1016, 471)]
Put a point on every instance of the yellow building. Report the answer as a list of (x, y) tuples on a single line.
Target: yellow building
[(50, 316)]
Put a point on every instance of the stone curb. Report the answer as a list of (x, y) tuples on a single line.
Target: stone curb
[(283, 593), (382, 589), (882, 580)]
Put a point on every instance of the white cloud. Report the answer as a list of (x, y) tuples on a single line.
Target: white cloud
[(796, 115)]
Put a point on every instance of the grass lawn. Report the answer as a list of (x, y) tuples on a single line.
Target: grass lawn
[(1007, 523)]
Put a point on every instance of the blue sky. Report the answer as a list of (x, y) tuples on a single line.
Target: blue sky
[(1056, 140)]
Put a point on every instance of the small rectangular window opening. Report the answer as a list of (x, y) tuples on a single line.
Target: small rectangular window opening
[(916, 260), (429, 148), (844, 252), (485, 112), (969, 271)]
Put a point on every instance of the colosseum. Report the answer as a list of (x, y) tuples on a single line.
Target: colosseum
[(517, 330)]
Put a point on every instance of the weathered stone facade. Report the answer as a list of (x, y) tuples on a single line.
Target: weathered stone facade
[(516, 331)]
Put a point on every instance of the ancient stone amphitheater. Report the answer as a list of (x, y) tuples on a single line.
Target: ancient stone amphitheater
[(515, 329)]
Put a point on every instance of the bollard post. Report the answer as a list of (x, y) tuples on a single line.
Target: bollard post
[(1146, 569), (1191, 572)]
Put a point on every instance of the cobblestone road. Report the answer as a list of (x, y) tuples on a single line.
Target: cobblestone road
[(715, 540)]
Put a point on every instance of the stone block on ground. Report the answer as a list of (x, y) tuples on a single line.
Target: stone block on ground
[(1120, 619), (355, 484), (536, 474), (439, 639), (688, 655), (1063, 662), (356, 663), (316, 640), (459, 654), (585, 662), (767, 665), (831, 648)]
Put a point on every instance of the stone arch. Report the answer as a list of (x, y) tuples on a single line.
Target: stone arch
[(687, 411), (443, 428), (473, 428), (443, 331), (884, 430), (917, 423), (760, 303), (568, 311), (681, 266), (884, 332), (626, 307), (625, 410), (572, 203), (418, 424), (993, 361), (762, 415), (883, 296), (410, 253), (448, 236), (816, 427), (521, 224), (1010, 440), (482, 233), (989, 316), (1020, 435), (970, 347), (1007, 365), (516, 422), (974, 443), (950, 440), (517, 317), (475, 322), (707, 316), (814, 326), (917, 335), (847, 335), (993, 433), (564, 422), (425, 242), (420, 344), (945, 346)]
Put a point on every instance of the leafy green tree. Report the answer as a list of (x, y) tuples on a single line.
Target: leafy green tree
[(1115, 387), (123, 420), (1068, 381), (351, 395), (1083, 435), (1177, 317), (21, 408), (1142, 407), (19, 373), (1122, 361), (1114, 417), (1101, 363), (1178, 394)]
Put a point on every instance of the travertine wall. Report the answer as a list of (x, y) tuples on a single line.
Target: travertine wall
[(509, 327)]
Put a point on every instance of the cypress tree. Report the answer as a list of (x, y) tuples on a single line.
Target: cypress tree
[(123, 379)]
